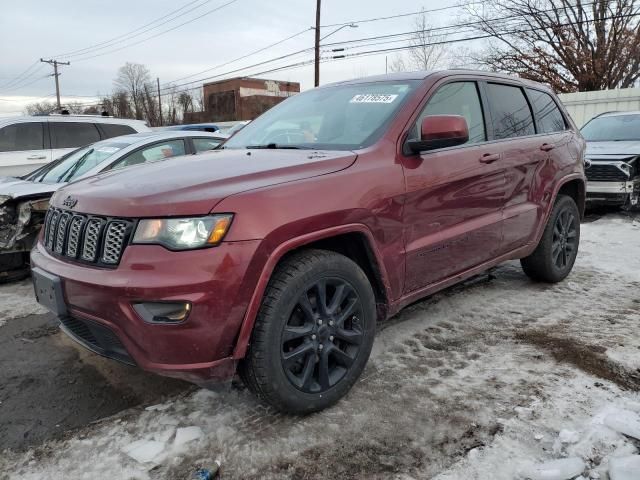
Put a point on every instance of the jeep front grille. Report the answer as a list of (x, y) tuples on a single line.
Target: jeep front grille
[(86, 238)]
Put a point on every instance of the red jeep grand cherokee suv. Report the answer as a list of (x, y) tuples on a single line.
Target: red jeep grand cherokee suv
[(279, 252)]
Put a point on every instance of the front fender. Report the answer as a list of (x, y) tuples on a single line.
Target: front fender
[(277, 254)]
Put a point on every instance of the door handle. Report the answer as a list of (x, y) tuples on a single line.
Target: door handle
[(547, 147), (489, 157), (37, 157)]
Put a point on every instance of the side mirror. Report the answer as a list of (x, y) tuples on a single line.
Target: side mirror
[(440, 131)]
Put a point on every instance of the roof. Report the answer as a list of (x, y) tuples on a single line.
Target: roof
[(618, 113), (71, 118), (423, 74), (165, 134)]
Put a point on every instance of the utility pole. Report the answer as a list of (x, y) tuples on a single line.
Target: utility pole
[(159, 100), (55, 64), (317, 72)]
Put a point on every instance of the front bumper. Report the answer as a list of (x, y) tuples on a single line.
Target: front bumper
[(612, 192), (216, 281)]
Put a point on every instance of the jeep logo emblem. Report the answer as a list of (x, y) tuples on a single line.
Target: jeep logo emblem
[(70, 202)]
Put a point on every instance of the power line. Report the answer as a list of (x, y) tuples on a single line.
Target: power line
[(208, 12), (20, 80), (391, 17), (395, 49), (132, 34), (312, 28), (377, 37), (18, 87), (19, 77), (242, 57)]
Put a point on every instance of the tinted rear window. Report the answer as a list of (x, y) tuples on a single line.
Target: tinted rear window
[(21, 136), (115, 130), (510, 112), (548, 114), (70, 134)]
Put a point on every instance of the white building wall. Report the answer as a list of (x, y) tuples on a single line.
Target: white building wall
[(583, 106)]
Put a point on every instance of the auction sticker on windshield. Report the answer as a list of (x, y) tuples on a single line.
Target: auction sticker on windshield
[(373, 98)]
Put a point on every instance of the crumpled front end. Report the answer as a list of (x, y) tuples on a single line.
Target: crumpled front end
[(20, 223)]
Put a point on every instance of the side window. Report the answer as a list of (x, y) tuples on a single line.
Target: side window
[(204, 144), (21, 137), (510, 112), (548, 114), (458, 98), (71, 134), (152, 153), (115, 130)]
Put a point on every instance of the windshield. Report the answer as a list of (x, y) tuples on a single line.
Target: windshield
[(76, 163), (342, 117), (614, 128)]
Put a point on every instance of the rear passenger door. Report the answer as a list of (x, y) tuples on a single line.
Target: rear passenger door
[(455, 196), (67, 136), (23, 148), (514, 139)]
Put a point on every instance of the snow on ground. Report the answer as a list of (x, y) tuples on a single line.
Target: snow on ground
[(492, 379), (16, 301)]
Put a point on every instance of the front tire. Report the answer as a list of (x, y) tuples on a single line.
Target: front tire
[(553, 258), (313, 334)]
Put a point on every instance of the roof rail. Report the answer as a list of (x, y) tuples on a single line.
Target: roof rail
[(77, 115)]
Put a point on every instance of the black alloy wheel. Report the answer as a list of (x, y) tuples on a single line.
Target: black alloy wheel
[(321, 340), (565, 239)]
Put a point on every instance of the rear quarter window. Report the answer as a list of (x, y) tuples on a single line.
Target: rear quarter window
[(548, 115), (114, 130)]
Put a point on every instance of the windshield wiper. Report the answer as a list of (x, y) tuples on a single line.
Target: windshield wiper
[(70, 172), (277, 146)]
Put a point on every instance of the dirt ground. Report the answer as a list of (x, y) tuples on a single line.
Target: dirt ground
[(481, 376)]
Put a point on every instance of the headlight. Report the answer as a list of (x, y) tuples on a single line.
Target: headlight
[(183, 233)]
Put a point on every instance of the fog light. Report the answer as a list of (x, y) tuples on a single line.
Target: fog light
[(163, 312)]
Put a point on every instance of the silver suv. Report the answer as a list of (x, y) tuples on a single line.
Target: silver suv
[(27, 143), (612, 160)]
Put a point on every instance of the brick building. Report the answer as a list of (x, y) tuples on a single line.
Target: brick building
[(241, 99)]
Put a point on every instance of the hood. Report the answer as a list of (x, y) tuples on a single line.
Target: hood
[(612, 150), (17, 188), (193, 185)]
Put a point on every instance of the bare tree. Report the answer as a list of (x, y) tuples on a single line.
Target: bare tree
[(185, 102), (570, 45), (40, 108), (132, 78), (425, 49), (44, 108)]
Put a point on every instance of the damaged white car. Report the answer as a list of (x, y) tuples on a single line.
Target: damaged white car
[(612, 160), (24, 200)]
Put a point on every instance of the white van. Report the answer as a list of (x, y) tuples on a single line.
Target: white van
[(27, 143)]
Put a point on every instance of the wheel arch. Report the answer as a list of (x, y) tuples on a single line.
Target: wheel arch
[(575, 188), (355, 241)]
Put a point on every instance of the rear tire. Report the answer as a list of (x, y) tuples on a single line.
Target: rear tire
[(313, 334), (553, 258)]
